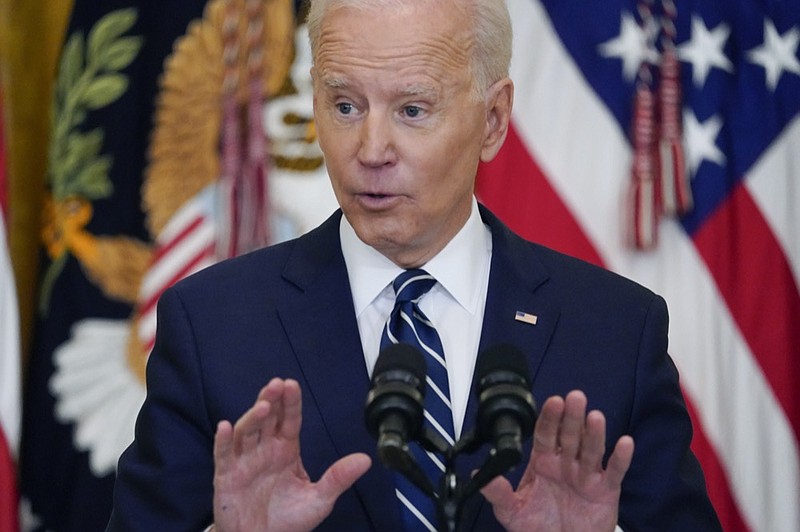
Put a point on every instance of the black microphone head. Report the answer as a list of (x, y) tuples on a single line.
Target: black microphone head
[(503, 385), (501, 363), (397, 393), (402, 357)]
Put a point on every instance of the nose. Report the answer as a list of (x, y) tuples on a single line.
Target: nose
[(376, 145)]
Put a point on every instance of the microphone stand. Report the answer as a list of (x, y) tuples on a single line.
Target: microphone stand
[(506, 412), (452, 491)]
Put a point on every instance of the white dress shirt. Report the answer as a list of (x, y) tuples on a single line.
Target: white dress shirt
[(454, 305)]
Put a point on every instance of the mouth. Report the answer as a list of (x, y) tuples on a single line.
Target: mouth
[(377, 200)]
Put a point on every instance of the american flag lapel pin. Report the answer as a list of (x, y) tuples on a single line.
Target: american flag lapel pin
[(524, 317)]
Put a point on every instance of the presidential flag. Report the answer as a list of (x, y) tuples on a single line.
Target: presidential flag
[(662, 141), (80, 400), (158, 166)]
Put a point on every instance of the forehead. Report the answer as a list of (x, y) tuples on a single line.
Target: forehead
[(431, 39)]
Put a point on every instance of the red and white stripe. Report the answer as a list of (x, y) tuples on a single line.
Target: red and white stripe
[(10, 376), (185, 245), (732, 289)]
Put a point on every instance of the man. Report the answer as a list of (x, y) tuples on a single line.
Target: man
[(409, 95)]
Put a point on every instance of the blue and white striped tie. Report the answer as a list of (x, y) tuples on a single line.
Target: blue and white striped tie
[(408, 324)]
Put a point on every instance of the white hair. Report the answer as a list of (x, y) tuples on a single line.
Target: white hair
[(491, 26)]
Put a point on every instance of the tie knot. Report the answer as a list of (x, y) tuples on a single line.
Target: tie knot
[(412, 284)]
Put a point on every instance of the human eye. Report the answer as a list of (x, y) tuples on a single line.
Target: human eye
[(345, 108), (412, 111)]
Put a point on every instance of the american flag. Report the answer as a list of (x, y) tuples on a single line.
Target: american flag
[(9, 362), (729, 268)]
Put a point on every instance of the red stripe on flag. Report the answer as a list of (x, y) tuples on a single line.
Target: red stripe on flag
[(514, 187), (148, 305), (9, 520), (717, 481), (186, 269), (756, 282), (174, 241)]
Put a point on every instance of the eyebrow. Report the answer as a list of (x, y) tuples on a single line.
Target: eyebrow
[(335, 83), (417, 89)]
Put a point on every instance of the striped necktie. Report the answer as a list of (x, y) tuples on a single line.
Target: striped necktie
[(408, 324)]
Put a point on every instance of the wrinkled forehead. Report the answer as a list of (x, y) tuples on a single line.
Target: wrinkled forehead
[(385, 6), (451, 24), (407, 52)]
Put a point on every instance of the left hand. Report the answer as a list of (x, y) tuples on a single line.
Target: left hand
[(259, 479), (565, 486)]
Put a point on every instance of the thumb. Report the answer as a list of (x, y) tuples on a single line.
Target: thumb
[(342, 474), (498, 492)]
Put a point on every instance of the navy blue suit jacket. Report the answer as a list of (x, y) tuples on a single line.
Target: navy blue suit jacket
[(287, 311)]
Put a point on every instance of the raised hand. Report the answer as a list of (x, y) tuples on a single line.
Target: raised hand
[(564, 487), (260, 483)]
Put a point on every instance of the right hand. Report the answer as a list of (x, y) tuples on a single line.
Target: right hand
[(565, 486), (260, 483)]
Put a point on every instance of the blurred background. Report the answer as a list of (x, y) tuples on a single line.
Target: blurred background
[(658, 139)]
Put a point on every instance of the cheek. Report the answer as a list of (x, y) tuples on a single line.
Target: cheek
[(323, 136), (449, 170), (335, 173), (330, 134)]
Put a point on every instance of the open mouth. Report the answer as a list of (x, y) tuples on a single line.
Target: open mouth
[(377, 201)]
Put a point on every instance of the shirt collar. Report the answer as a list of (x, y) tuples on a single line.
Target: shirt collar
[(459, 267)]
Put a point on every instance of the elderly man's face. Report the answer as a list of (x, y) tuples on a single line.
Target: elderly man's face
[(399, 125)]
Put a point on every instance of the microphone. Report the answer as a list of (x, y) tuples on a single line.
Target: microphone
[(394, 410), (506, 409)]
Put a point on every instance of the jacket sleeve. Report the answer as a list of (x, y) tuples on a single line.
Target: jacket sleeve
[(664, 488), (164, 479)]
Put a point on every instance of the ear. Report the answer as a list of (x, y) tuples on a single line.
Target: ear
[(499, 100)]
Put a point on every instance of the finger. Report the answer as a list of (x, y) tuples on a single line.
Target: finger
[(273, 393), (593, 445), (292, 410), (620, 461), (247, 431), (499, 493), (341, 475), (545, 433), (572, 424), (529, 475), (223, 446)]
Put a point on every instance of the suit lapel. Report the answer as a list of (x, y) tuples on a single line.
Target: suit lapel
[(515, 276), (322, 329)]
